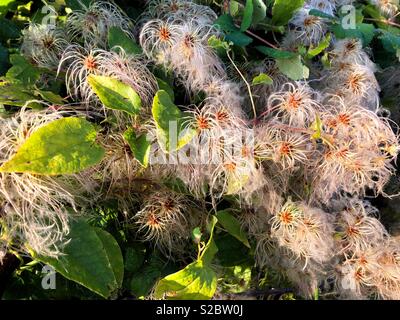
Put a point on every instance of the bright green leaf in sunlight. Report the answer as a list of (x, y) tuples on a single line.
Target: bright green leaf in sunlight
[(115, 94), (172, 134), (63, 146)]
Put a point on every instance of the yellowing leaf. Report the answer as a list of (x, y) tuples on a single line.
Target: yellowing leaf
[(195, 282), (63, 146)]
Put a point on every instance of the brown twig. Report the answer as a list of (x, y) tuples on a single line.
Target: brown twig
[(260, 39), (384, 21)]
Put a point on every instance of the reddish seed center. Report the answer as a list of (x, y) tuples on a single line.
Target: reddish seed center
[(351, 231), (342, 153), (285, 148), (202, 123), (294, 102), (286, 217), (153, 220), (90, 63), (231, 166), (164, 34), (344, 119), (221, 116)]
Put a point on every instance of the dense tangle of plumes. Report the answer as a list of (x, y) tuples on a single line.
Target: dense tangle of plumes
[(297, 169), (388, 8), (79, 62), (180, 43), (44, 45), (36, 208), (166, 219), (91, 23)]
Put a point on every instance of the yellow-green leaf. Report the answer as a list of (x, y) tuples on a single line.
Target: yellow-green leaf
[(115, 94), (262, 78), (63, 146), (195, 282), (172, 135), (140, 146), (232, 226)]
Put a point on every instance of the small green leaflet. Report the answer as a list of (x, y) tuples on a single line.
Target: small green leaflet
[(197, 281), (321, 14), (259, 11), (312, 52), (232, 226), (233, 33), (283, 11), (22, 70), (262, 78), (63, 146), (140, 146), (172, 135), (117, 38), (293, 68), (115, 94), (247, 15)]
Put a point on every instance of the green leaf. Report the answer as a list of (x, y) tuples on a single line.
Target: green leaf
[(321, 14), (390, 42), (118, 38), (22, 70), (50, 96), (312, 52), (259, 11), (115, 94), (293, 68), (239, 38), (3, 60), (8, 30), (227, 244), (77, 4), (92, 258), (363, 31), (63, 146), (220, 46), (15, 94), (134, 257), (236, 279), (170, 120), (144, 279), (163, 85), (234, 183), (262, 78), (140, 146), (247, 15), (210, 249), (196, 235), (374, 13), (275, 53), (195, 282), (283, 10), (226, 23), (233, 33), (233, 8), (232, 226)]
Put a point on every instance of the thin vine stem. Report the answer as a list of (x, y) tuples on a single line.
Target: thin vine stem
[(247, 84)]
